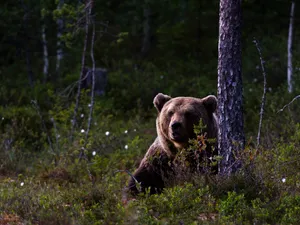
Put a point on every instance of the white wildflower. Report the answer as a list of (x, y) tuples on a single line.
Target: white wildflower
[(22, 184), (107, 133), (126, 131), (94, 153), (82, 130), (283, 180), (126, 147), (82, 115)]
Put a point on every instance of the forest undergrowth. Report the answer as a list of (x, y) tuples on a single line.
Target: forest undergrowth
[(57, 168), (48, 178)]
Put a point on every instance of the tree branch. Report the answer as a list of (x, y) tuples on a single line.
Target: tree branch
[(263, 99), (280, 110)]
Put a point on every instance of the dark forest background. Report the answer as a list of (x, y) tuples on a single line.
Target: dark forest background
[(50, 174)]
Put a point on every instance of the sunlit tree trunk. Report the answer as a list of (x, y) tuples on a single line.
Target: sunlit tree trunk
[(88, 10), (289, 50), (59, 51), (230, 89), (45, 54)]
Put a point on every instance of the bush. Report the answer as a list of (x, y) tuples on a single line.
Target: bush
[(178, 205)]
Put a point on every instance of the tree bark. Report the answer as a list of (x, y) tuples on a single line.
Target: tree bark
[(45, 54), (230, 88), (59, 51), (289, 50)]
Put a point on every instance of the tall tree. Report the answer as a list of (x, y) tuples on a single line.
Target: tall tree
[(60, 25), (231, 137), (45, 54), (289, 50), (88, 11)]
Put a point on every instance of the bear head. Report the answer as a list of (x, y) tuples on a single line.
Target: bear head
[(177, 117)]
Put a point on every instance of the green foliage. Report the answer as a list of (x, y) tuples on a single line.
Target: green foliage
[(181, 204), (137, 88), (234, 208), (290, 206), (90, 190), (47, 178), (59, 204), (21, 136)]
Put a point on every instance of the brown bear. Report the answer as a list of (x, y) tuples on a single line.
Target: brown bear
[(175, 127)]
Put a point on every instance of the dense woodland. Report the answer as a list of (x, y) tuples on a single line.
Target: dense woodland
[(67, 152)]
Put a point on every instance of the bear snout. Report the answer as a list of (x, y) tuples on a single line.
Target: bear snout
[(176, 131), (175, 126)]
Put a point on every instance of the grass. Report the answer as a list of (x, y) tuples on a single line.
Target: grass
[(43, 185)]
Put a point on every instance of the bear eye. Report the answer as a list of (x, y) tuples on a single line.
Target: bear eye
[(190, 115), (170, 113)]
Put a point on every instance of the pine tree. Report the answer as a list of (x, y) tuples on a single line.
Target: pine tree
[(230, 88)]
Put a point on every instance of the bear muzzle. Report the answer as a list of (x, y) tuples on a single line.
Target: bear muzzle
[(176, 132)]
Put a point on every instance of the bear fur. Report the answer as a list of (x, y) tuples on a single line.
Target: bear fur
[(175, 127)]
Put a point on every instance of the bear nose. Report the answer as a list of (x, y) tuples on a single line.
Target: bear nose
[(175, 125)]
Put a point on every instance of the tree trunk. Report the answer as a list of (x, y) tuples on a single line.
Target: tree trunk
[(289, 50), (88, 9), (230, 88), (93, 86), (45, 54), (60, 26)]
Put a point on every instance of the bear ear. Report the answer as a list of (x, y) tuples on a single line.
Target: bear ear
[(210, 102), (159, 101)]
